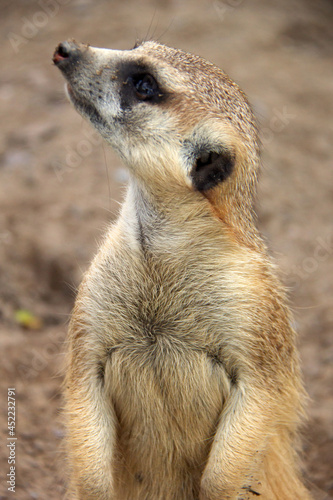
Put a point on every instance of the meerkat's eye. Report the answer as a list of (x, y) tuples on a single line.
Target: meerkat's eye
[(146, 87)]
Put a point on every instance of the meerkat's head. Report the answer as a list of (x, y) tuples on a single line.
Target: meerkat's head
[(175, 119)]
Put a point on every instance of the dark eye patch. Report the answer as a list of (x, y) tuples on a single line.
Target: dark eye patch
[(139, 84), (146, 87)]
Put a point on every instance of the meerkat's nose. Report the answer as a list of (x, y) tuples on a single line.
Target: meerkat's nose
[(67, 53), (63, 51)]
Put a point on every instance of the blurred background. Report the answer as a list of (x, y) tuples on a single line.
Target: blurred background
[(60, 186)]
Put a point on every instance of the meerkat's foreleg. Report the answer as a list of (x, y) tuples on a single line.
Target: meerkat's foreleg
[(91, 428), (237, 466)]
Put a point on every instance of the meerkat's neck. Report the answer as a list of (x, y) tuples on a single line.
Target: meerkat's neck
[(164, 218)]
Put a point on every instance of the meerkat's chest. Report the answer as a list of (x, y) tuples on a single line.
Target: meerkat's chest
[(164, 329), (167, 387), (154, 314), (157, 329)]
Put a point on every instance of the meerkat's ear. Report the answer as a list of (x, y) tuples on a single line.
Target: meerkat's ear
[(211, 168)]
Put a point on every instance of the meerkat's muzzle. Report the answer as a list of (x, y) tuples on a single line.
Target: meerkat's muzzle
[(71, 58), (82, 67)]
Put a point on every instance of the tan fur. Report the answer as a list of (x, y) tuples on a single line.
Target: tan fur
[(183, 379)]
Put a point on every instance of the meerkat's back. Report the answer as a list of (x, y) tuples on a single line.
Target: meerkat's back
[(183, 380)]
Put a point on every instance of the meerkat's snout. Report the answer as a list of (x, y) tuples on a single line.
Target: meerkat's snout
[(86, 91)]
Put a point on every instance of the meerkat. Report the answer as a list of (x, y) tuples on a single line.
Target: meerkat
[(183, 379)]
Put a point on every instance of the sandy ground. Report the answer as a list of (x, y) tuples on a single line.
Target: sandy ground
[(60, 187)]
